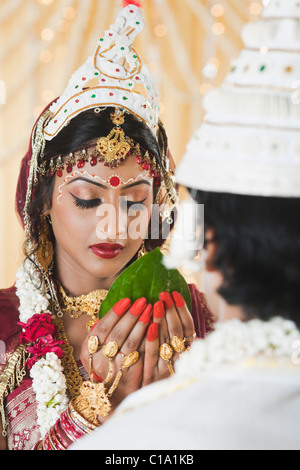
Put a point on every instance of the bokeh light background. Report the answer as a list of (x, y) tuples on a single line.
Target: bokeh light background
[(188, 44)]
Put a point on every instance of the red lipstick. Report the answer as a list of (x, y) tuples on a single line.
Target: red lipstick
[(107, 250)]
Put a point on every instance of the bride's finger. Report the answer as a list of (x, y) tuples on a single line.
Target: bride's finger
[(185, 315), (114, 327), (173, 320), (151, 354), (103, 328), (159, 314), (135, 338)]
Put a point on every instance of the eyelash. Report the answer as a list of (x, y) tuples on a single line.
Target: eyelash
[(87, 204), (92, 203)]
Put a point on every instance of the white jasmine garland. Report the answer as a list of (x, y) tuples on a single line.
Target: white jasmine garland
[(234, 345), (235, 342), (31, 300), (49, 383)]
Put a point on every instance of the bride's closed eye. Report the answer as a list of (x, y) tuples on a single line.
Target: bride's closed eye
[(86, 203), (138, 205), (92, 203)]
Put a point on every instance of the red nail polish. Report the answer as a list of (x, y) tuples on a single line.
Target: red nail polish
[(159, 310), (152, 333), (122, 307), (95, 325), (178, 299), (138, 307), (167, 299), (147, 315), (97, 378)]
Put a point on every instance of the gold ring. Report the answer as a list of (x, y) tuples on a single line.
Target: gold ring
[(129, 361), (166, 353), (190, 338), (93, 344), (110, 351), (177, 344)]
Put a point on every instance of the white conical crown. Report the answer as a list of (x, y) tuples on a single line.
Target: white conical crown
[(114, 76), (249, 142)]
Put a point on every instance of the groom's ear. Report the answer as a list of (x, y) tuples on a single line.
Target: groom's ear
[(211, 247)]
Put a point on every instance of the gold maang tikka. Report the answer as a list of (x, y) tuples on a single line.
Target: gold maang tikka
[(115, 147)]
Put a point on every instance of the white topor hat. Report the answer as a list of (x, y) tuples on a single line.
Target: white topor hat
[(249, 142), (114, 76)]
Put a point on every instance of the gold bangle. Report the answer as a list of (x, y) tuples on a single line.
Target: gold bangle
[(129, 361), (166, 353), (78, 419), (40, 445)]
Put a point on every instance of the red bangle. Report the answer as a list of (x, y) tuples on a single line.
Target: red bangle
[(46, 443), (59, 435), (55, 440), (68, 428)]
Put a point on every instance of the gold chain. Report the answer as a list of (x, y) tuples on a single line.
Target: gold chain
[(71, 371)]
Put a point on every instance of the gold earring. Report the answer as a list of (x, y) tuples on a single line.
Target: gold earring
[(45, 252), (142, 251)]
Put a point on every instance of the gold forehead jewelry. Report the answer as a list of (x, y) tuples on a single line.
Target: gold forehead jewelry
[(166, 353), (116, 146), (129, 361), (177, 344), (78, 306)]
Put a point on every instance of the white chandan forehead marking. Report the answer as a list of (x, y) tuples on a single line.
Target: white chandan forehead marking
[(114, 181)]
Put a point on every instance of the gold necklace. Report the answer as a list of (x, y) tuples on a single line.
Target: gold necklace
[(88, 304)]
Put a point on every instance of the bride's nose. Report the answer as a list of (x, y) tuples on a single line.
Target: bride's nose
[(112, 222)]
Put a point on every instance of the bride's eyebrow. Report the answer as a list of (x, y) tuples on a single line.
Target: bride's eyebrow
[(137, 183), (81, 178)]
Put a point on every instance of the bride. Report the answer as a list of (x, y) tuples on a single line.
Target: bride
[(100, 148)]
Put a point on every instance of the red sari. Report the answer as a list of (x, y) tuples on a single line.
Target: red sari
[(17, 397)]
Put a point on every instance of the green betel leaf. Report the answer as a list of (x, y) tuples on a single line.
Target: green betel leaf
[(146, 277)]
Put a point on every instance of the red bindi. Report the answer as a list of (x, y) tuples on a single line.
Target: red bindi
[(114, 181)]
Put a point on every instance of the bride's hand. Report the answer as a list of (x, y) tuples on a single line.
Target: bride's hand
[(132, 328), (126, 325), (171, 319)]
